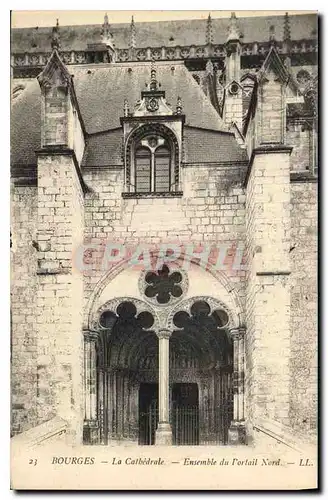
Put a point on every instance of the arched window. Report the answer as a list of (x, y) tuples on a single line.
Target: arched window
[(143, 170), (152, 165), (162, 169)]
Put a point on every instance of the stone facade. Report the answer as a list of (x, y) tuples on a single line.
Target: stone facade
[(254, 200), (304, 356), (24, 347), (268, 285), (60, 290)]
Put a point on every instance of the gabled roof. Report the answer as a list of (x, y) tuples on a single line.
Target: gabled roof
[(54, 69), (273, 63), (158, 34), (100, 93)]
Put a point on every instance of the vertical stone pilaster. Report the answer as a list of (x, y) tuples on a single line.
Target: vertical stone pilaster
[(60, 223), (90, 385), (90, 341), (101, 405), (268, 284), (164, 430), (60, 227), (237, 432)]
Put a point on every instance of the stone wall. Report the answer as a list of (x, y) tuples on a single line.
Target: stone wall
[(60, 290), (47, 346), (55, 121), (300, 138), (271, 110), (233, 107), (303, 363), (211, 211), (268, 288), (23, 308)]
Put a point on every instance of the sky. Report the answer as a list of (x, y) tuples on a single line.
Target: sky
[(33, 18)]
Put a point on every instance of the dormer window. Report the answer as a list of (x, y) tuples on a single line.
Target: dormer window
[(152, 166), (152, 144)]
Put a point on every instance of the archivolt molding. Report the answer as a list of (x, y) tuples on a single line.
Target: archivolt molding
[(225, 282), (214, 304), (112, 305), (237, 315), (163, 318), (100, 286)]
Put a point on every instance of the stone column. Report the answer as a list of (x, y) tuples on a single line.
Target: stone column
[(90, 385), (102, 379), (164, 430), (237, 433)]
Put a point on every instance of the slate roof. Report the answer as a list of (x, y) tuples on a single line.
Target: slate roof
[(158, 34), (206, 146), (26, 125), (200, 146), (101, 92), (103, 149)]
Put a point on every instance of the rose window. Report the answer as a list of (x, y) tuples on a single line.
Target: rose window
[(163, 285)]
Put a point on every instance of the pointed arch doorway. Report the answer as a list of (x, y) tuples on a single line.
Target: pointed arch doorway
[(122, 385)]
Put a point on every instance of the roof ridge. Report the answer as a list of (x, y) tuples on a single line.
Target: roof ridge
[(197, 19)]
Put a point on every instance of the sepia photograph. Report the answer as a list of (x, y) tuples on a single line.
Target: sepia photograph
[(163, 244)]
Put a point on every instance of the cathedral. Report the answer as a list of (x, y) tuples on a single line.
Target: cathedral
[(164, 232)]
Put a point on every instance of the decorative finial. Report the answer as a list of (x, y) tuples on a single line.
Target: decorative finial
[(132, 34), (105, 31), (153, 81), (126, 107), (286, 28), (209, 31), (233, 30), (179, 106), (272, 35), (209, 67), (55, 39)]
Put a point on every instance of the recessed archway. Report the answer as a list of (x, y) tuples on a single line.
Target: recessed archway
[(200, 353)]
